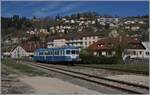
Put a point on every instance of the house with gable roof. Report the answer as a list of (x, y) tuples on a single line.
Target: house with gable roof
[(25, 49), (105, 47)]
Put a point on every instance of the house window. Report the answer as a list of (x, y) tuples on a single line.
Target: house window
[(147, 53), (85, 43), (140, 52), (134, 53), (109, 53), (99, 53)]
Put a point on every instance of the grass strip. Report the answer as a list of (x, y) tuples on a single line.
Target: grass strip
[(133, 68), (22, 67)]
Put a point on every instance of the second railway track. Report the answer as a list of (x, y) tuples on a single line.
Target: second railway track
[(116, 84)]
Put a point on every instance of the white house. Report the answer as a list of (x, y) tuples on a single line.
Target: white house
[(135, 50), (88, 40), (25, 49), (18, 52), (59, 42), (147, 50)]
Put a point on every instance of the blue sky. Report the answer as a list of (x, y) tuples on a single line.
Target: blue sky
[(53, 8)]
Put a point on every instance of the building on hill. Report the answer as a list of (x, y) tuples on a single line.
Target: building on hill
[(80, 40)]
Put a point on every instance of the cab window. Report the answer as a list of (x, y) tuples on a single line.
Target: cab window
[(73, 52), (77, 52)]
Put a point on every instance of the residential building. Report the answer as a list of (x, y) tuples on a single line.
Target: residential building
[(147, 50), (77, 40), (105, 47), (25, 49), (18, 52), (135, 50)]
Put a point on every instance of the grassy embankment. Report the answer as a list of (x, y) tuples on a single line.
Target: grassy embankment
[(133, 68), (21, 67)]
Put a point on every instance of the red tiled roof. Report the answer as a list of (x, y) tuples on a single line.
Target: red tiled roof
[(31, 46), (103, 44), (108, 43)]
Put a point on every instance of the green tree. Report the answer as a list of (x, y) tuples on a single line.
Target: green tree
[(86, 51)]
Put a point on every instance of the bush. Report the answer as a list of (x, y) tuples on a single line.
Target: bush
[(90, 59)]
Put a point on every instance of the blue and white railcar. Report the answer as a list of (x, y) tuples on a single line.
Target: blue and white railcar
[(62, 54)]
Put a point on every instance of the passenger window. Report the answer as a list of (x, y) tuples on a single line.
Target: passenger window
[(57, 52), (41, 53), (54, 52), (73, 52), (62, 52), (46, 53), (68, 52), (49, 52)]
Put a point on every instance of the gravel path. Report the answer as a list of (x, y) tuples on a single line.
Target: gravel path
[(92, 71), (123, 76), (137, 79), (54, 85)]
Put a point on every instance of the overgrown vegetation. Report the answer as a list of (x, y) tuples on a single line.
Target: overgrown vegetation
[(111, 63), (88, 58), (21, 67)]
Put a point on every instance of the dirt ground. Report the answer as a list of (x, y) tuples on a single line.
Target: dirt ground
[(137, 79), (10, 84), (14, 82), (54, 85)]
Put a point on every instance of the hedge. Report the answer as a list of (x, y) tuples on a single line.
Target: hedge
[(90, 59)]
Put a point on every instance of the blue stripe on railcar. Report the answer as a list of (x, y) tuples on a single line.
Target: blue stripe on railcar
[(52, 58), (55, 58)]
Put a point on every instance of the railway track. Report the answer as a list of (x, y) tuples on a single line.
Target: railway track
[(119, 85)]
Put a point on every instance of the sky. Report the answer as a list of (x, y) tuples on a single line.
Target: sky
[(63, 8)]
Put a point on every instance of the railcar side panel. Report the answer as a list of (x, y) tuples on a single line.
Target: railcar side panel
[(56, 54)]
